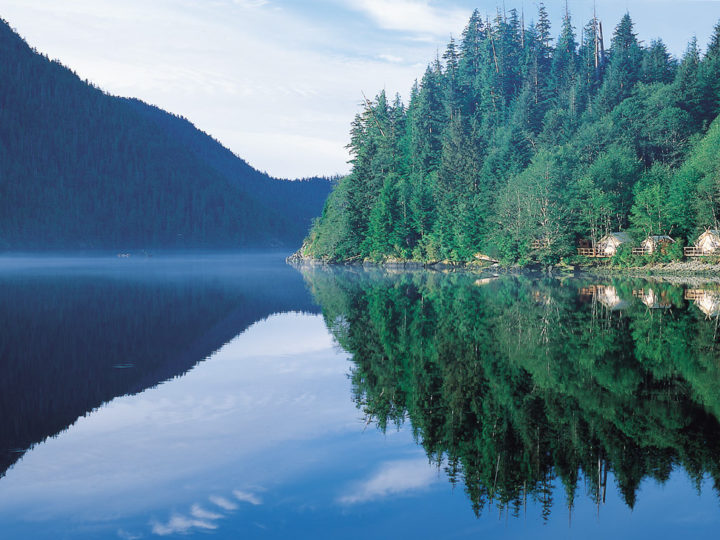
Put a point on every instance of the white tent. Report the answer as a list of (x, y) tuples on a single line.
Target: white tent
[(651, 243), (708, 242), (609, 243)]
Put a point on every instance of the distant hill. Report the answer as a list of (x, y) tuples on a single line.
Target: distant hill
[(80, 169)]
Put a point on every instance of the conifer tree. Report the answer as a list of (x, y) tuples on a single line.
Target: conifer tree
[(710, 77), (564, 68), (657, 66), (451, 84), (688, 84), (623, 71), (428, 120)]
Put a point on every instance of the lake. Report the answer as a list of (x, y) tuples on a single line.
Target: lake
[(234, 396)]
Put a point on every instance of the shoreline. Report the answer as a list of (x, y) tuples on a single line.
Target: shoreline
[(678, 269)]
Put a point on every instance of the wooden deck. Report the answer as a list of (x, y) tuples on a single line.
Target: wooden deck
[(592, 252), (692, 251), (694, 294), (588, 291)]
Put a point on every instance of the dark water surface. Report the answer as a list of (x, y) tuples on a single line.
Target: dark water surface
[(233, 396)]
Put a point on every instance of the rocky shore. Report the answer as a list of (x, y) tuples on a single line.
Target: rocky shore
[(486, 265), (677, 268)]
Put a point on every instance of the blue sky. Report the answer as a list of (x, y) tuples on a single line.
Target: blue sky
[(278, 81)]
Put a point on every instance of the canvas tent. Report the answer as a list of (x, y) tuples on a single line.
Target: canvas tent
[(608, 244), (708, 242), (653, 243)]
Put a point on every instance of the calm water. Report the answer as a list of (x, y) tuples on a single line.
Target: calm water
[(237, 397)]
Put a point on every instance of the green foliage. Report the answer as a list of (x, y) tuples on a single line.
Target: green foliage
[(624, 68), (657, 64), (695, 187), (517, 148), (650, 211), (624, 258), (674, 251)]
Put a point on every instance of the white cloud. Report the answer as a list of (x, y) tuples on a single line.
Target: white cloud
[(251, 3), (393, 478), (390, 58), (417, 16), (200, 518), (223, 503), (245, 496), (199, 512), (128, 536), (179, 524)]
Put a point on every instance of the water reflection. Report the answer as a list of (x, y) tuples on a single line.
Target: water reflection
[(517, 385), (192, 397), (706, 300), (78, 332)]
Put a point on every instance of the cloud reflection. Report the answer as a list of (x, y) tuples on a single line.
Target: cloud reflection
[(244, 496), (223, 503), (199, 512), (393, 478), (200, 518), (212, 426), (179, 524)]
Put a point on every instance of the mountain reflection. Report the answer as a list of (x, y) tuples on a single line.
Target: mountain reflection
[(518, 385), (76, 337)]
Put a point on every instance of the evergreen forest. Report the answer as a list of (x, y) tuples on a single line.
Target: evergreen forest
[(526, 389), (519, 142), (80, 169)]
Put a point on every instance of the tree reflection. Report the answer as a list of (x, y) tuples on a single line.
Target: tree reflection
[(517, 385)]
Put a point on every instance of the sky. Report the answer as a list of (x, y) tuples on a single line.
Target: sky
[(279, 81)]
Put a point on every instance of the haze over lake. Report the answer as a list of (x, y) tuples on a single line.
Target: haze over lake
[(236, 396)]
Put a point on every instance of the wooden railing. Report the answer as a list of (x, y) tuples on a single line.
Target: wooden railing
[(694, 294), (588, 291), (641, 251), (591, 252), (692, 251)]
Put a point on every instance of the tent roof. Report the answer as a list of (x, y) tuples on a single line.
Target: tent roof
[(621, 236)]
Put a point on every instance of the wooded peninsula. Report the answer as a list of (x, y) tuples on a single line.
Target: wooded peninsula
[(523, 148)]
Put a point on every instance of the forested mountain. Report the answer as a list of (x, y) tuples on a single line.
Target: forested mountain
[(82, 169), (518, 145)]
